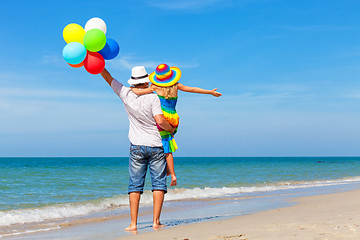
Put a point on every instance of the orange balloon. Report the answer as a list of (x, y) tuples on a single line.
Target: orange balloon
[(77, 65)]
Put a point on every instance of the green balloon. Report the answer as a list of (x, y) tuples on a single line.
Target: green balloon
[(94, 40)]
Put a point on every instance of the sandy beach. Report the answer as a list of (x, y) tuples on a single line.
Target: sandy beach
[(321, 217)]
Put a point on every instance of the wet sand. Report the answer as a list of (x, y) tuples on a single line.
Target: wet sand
[(322, 217)]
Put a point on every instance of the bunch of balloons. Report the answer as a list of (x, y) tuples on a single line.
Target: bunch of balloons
[(89, 47)]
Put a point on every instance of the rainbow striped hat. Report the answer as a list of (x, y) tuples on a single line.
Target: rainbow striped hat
[(165, 76)]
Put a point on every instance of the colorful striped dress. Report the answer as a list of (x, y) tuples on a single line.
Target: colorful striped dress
[(168, 108)]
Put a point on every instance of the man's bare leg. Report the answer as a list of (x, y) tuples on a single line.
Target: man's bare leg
[(134, 199), (158, 198)]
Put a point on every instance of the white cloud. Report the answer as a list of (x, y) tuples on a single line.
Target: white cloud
[(52, 58), (49, 110), (283, 87), (128, 62), (186, 4), (16, 93), (320, 28), (190, 64), (20, 115), (353, 95), (11, 77)]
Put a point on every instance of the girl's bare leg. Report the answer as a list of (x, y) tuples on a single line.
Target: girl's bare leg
[(170, 168)]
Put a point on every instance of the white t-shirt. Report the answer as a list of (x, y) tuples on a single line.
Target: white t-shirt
[(141, 111)]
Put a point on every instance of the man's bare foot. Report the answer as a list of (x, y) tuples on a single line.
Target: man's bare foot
[(173, 180), (158, 226), (131, 228)]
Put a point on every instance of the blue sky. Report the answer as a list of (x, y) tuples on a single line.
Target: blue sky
[(289, 72)]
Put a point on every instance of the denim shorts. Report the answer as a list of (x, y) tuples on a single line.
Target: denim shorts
[(142, 157)]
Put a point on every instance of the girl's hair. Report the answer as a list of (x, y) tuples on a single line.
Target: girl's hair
[(170, 92)]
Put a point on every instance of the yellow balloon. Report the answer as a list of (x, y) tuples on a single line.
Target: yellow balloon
[(73, 33)]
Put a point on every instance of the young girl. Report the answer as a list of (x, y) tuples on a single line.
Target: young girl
[(165, 84)]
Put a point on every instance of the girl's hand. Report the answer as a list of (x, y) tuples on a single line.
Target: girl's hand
[(215, 93), (153, 87)]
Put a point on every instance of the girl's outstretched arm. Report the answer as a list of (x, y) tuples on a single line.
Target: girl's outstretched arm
[(184, 88), (142, 91)]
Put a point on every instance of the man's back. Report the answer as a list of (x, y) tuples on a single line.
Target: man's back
[(141, 111)]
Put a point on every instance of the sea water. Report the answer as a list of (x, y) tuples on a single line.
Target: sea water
[(51, 191)]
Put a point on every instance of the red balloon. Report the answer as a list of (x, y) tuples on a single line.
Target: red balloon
[(94, 63)]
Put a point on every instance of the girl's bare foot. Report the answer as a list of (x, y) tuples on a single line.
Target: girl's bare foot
[(157, 226), (131, 228), (173, 180)]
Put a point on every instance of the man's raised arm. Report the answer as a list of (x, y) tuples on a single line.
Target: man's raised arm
[(107, 76)]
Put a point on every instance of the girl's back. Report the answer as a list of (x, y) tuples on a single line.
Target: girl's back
[(167, 92)]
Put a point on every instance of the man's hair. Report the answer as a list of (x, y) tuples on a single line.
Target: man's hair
[(140, 84)]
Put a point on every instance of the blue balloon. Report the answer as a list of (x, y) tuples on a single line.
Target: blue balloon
[(111, 49), (74, 53)]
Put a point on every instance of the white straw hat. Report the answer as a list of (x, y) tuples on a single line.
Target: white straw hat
[(138, 75)]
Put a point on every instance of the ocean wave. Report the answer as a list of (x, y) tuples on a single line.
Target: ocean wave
[(78, 209), (60, 211), (207, 192)]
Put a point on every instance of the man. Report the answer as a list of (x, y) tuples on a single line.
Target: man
[(146, 150)]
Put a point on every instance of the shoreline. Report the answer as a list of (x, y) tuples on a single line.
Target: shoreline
[(334, 216), (228, 218)]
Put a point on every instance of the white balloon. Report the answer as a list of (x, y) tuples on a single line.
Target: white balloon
[(96, 23)]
